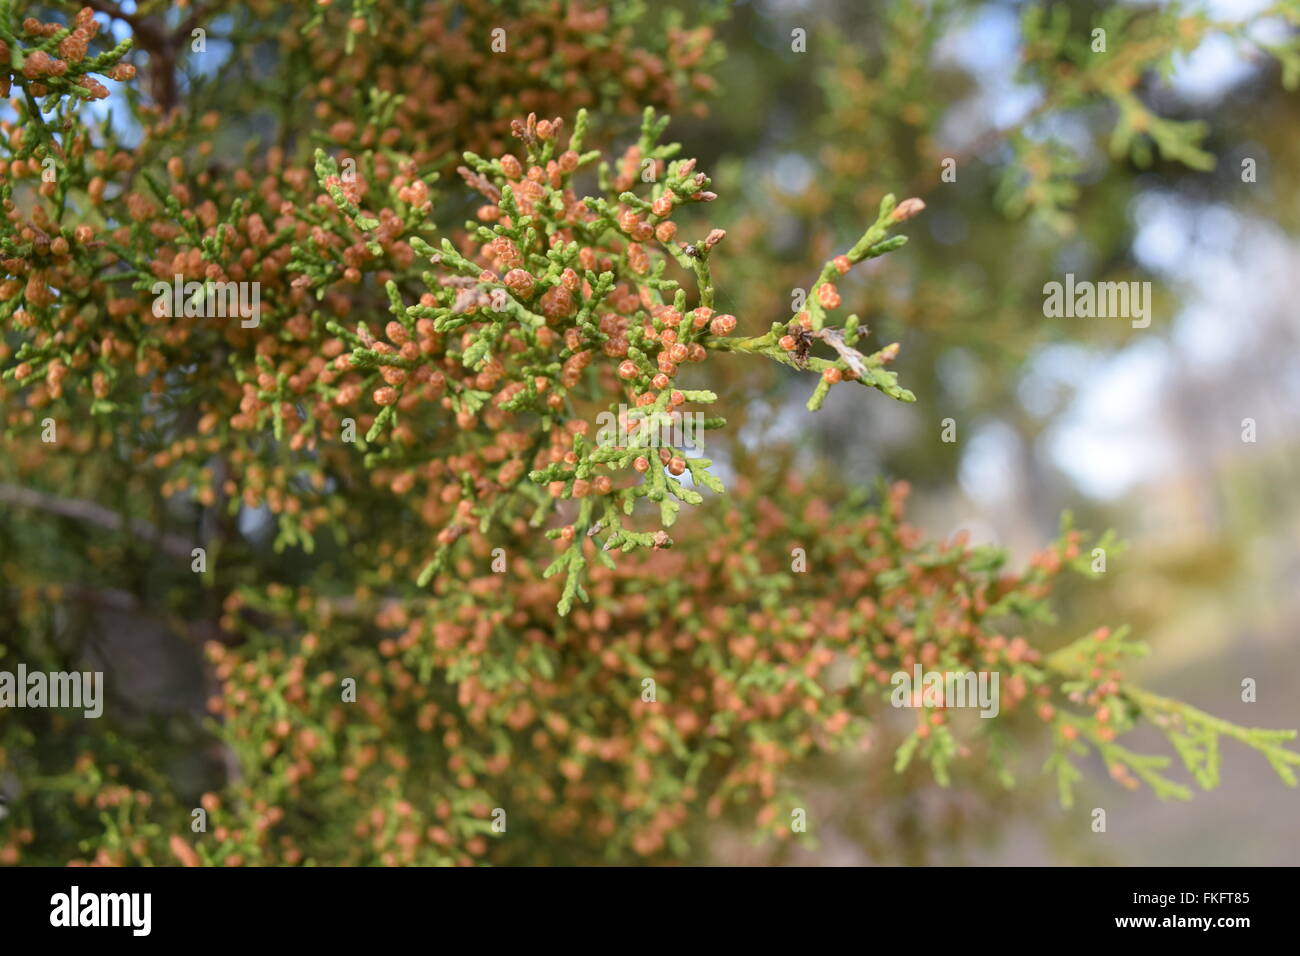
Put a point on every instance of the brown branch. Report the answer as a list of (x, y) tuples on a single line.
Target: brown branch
[(155, 41), (95, 514)]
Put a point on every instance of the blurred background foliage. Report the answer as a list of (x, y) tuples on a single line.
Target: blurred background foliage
[(1139, 430)]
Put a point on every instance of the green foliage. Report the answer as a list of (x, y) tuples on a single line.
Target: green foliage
[(428, 477)]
